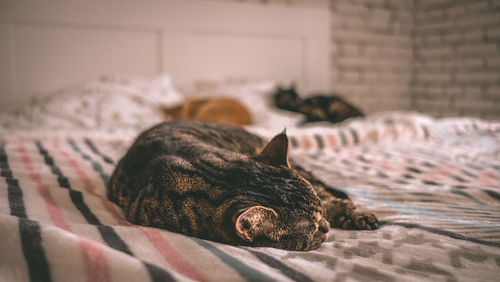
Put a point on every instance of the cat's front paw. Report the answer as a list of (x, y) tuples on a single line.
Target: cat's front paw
[(361, 221)]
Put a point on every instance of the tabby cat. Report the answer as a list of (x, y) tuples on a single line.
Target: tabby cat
[(315, 108), (222, 183), (222, 110)]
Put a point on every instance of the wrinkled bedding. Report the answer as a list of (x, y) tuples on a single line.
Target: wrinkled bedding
[(118, 103), (434, 184)]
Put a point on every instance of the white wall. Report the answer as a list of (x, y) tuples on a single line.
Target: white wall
[(53, 43)]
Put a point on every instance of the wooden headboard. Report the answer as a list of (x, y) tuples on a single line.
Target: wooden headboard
[(46, 45)]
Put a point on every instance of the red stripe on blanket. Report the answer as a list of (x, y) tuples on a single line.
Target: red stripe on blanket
[(306, 142), (93, 256), (52, 208), (331, 140), (95, 261), (170, 255)]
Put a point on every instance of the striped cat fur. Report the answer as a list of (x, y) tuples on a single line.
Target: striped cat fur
[(224, 184)]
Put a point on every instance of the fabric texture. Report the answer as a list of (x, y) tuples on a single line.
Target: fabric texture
[(434, 185), (108, 103)]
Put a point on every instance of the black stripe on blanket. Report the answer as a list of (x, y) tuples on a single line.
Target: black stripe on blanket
[(426, 132), (94, 149), (492, 194), (31, 241), (61, 179), (274, 263), (442, 232), (247, 272), (108, 234), (294, 142), (95, 165), (462, 193), (343, 138), (319, 141), (355, 137), (30, 233), (158, 274)]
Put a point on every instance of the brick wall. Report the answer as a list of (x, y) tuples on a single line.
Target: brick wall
[(440, 57), (456, 68), (372, 52)]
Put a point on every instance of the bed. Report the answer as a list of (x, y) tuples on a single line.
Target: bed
[(433, 183)]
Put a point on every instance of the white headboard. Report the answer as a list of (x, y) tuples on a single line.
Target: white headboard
[(46, 45)]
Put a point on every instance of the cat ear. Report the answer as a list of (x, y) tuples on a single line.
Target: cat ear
[(254, 222), (275, 153)]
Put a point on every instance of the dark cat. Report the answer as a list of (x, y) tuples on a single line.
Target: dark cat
[(222, 183), (316, 108)]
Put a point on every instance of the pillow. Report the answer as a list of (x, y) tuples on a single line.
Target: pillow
[(135, 102), (109, 103), (255, 95)]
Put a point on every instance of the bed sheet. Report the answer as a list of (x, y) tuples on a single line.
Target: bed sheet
[(114, 103), (434, 184)]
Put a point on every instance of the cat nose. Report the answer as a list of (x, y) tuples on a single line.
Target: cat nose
[(324, 226)]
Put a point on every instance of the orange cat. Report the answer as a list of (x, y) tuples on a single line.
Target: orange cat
[(222, 110)]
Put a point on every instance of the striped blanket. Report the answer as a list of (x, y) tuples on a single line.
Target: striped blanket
[(434, 184)]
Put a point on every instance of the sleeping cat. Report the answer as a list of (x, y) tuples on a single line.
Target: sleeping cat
[(222, 109), (317, 107), (222, 183)]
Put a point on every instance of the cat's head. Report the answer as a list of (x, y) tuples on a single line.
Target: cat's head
[(282, 210), (287, 98)]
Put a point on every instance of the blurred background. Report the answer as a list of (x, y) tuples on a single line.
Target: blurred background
[(440, 57)]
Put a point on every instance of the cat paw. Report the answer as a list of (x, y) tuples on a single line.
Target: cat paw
[(340, 207), (361, 221), (342, 214)]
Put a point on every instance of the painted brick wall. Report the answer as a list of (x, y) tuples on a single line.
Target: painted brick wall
[(456, 69), (372, 52)]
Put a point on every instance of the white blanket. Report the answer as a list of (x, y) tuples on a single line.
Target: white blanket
[(434, 184)]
